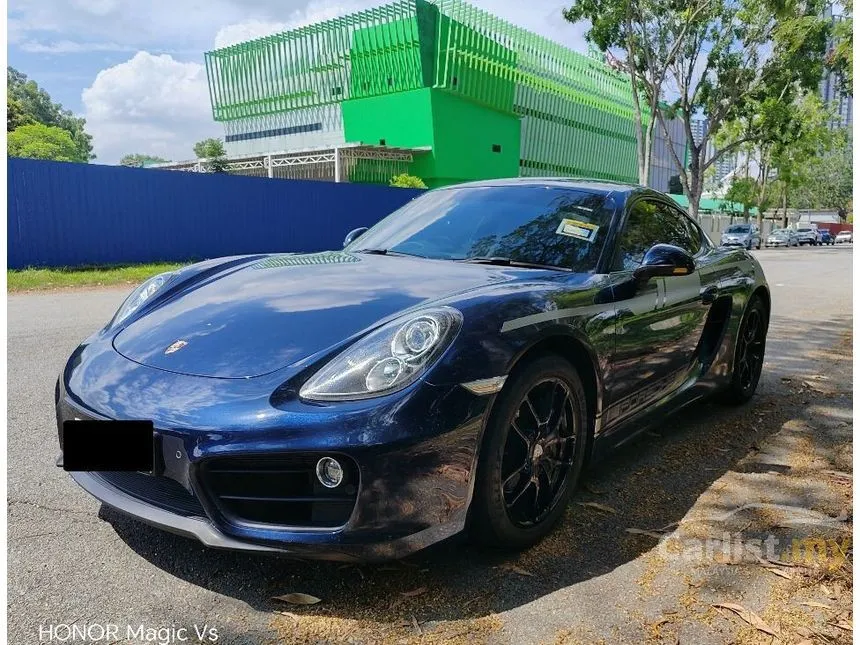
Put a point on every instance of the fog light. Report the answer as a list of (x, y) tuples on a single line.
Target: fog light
[(329, 472)]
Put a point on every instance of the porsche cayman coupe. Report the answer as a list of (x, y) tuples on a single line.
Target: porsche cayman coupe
[(455, 367)]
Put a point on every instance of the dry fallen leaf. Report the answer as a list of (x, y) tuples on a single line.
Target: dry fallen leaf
[(414, 592), (779, 572), (297, 599), (843, 625), (749, 617), (812, 603), (599, 507), (515, 569)]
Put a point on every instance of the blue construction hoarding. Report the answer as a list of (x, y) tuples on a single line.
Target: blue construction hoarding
[(70, 214)]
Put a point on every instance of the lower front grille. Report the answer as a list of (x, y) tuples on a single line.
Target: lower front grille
[(159, 491), (280, 490)]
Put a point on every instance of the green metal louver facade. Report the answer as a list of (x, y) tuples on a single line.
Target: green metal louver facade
[(487, 99)]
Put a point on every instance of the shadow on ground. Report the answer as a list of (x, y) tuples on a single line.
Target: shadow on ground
[(650, 483)]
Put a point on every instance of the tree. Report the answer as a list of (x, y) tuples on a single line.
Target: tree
[(736, 56), (640, 28), (212, 151), (825, 179), (406, 180), (39, 141), (743, 191), (15, 115), (136, 160), (840, 58), (35, 105)]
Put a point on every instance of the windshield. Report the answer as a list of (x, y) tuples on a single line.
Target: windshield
[(739, 228), (804, 230), (779, 231), (544, 225)]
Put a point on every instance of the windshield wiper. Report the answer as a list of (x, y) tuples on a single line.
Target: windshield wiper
[(508, 262), (388, 252)]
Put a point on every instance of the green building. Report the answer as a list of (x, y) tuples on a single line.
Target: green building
[(451, 91)]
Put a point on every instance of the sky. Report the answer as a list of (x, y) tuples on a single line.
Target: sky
[(135, 70)]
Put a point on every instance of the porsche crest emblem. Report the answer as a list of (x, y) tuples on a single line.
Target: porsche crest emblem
[(175, 347)]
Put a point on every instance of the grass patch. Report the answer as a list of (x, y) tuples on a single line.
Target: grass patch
[(95, 276)]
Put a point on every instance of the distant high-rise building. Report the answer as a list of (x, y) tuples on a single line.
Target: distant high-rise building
[(830, 90)]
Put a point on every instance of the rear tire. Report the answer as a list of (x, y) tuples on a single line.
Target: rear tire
[(532, 455), (749, 354)]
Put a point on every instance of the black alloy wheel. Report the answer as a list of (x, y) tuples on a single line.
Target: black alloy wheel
[(538, 452), (532, 454), (749, 353)]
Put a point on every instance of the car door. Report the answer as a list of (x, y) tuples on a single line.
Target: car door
[(659, 324)]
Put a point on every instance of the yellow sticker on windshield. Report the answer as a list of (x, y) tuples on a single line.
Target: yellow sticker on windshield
[(577, 229)]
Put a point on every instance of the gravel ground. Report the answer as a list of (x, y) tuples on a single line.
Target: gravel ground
[(593, 580)]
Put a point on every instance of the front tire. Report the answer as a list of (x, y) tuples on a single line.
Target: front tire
[(749, 354), (532, 455)]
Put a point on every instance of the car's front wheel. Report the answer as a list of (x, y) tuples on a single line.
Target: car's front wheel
[(532, 454)]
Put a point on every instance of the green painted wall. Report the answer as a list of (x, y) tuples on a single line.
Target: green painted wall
[(465, 133), (460, 132)]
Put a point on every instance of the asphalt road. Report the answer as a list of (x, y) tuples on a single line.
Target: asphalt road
[(70, 562)]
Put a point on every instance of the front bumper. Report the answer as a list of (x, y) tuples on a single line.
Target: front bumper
[(415, 451)]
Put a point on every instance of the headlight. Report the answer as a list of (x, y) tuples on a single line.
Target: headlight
[(140, 296), (387, 359)]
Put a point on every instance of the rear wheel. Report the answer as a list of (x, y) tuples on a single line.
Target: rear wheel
[(749, 354), (532, 455)]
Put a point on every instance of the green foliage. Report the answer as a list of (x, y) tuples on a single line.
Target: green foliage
[(136, 160), (32, 104), (39, 141), (840, 59), (824, 180), (15, 114), (212, 150), (744, 191), (405, 180)]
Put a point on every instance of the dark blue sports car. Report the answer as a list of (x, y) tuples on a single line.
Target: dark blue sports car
[(454, 367)]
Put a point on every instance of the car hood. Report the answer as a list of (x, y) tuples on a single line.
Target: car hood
[(286, 308)]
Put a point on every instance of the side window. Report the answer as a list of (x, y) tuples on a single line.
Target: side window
[(650, 223)]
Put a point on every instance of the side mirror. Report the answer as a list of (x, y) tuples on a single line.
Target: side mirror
[(664, 260), (353, 235)]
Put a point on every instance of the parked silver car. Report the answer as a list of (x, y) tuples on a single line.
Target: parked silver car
[(844, 236), (745, 235), (808, 235), (782, 237)]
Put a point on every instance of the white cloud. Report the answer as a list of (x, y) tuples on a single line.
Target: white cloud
[(315, 11), (70, 47), (151, 105), (248, 30)]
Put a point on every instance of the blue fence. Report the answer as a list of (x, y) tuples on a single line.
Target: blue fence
[(69, 214)]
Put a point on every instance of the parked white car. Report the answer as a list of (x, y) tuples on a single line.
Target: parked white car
[(844, 236)]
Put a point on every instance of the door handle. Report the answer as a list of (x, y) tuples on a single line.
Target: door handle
[(710, 295)]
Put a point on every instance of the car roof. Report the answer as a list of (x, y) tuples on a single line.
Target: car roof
[(578, 183)]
